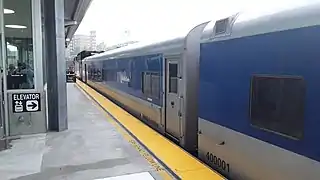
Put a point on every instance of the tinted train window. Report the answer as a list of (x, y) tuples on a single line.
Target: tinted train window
[(89, 72), (155, 85), (104, 75), (99, 75), (173, 78), (221, 26), (147, 84), (151, 84), (110, 75), (277, 104)]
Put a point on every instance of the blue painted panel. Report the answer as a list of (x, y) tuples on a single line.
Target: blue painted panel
[(226, 68), (131, 70)]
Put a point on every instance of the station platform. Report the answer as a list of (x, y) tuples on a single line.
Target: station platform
[(103, 142)]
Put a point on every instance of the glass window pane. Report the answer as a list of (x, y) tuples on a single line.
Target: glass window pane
[(173, 85), (147, 84), (142, 82), (277, 104), (221, 26), (173, 78), (18, 38), (155, 86), (173, 70)]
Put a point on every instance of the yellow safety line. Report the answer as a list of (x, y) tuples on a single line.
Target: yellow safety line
[(179, 161)]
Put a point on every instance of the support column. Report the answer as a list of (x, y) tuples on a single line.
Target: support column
[(55, 64)]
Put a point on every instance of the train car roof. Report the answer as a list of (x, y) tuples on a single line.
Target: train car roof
[(169, 46), (256, 22)]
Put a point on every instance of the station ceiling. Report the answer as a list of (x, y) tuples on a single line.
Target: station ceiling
[(74, 11)]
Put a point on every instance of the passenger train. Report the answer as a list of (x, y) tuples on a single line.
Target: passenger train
[(242, 92)]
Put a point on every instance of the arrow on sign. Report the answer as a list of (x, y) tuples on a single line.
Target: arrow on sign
[(32, 105)]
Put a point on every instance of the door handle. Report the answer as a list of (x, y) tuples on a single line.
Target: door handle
[(221, 143)]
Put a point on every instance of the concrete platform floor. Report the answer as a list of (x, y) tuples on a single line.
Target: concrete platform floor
[(92, 148)]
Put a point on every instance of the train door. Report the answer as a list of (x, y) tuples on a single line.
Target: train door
[(85, 73), (172, 98)]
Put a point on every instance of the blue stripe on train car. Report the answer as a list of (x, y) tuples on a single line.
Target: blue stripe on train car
[(133, 67), (226, 68)]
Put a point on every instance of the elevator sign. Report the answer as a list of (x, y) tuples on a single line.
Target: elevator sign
[(26, 102)]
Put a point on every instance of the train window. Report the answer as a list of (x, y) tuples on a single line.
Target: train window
[(104, 75), (89, 73), (277, 104), (147, 84), (110, 75), (151, 84), (142, 81), (94, 73), (99, 75), (221, 26), (155, 85), (173, 78)]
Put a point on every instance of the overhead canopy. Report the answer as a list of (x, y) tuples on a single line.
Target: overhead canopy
[(74, 11)]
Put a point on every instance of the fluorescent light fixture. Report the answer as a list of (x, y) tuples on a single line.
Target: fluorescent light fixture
[(67, 39), (8, 11), (13, 26)]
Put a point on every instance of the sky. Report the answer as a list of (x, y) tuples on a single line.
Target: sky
[(157, 19)]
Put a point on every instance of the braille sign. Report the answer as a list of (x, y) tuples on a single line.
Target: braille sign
[(26, 102)]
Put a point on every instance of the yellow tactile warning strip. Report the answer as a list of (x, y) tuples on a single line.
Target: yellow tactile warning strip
[(184, 165)]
